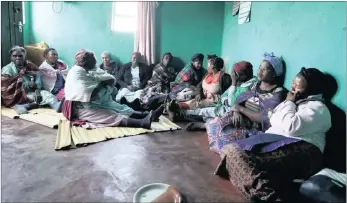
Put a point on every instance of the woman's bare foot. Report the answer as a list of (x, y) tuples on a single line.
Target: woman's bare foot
[(195, 126)]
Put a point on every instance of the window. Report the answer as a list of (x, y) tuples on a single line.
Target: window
[(124, 16)]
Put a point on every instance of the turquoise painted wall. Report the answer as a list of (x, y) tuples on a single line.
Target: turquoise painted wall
[(183, 28), (310, 34), (190, 27), (79, 25)]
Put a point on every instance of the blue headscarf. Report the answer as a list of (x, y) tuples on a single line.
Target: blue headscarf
[(276, 62)]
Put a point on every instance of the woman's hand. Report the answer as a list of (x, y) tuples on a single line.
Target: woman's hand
[(236, 108), (292, 96), (234, 77), (237, 119)]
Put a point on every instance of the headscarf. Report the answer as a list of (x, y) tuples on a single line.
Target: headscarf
[(276, 62), (315, 80), (198, 57), (84, 58), (244, 67), (47, 50)]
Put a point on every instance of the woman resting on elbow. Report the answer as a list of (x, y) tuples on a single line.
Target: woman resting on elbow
[(89, 100), (263, 167), (250, 113)]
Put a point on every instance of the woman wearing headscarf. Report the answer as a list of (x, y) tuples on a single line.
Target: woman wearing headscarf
[(209, 89), (21, 84), (251, 110), (242, 80), (263, 167), (187, 79), (89, 98), (53, 72)]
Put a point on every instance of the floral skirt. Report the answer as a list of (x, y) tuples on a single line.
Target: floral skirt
[(221, 132), (269, 176)]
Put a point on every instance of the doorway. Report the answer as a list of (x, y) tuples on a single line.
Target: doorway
[(11, 28)]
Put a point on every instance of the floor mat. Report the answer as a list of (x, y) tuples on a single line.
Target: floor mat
[(42, 116), (70, 136)]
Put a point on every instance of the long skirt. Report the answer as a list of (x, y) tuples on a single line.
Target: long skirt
[(97, 117), (268, 176)]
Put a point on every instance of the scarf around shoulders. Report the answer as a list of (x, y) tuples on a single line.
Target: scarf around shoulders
[(12, 91), (49, 73)]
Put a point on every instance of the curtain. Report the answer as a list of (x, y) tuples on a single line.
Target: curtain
[(145, 32)]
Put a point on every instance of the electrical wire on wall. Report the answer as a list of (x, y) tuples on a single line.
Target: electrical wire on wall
[(59, 9)]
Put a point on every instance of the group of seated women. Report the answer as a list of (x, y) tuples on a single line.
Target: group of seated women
[(266, 136)]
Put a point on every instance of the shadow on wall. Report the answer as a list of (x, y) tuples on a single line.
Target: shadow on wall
[(282, 78), (116, 59), (335, 149), (178, 64)]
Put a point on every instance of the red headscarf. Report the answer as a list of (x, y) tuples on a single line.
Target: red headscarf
[(244, 67)]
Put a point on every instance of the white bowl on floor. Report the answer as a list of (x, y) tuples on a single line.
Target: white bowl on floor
[(150, 192)]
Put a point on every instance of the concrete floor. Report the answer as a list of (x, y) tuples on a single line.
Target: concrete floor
[(110, 171)]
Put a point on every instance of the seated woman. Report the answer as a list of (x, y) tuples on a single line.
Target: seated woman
[(133, 77), (21, 84), (89, 98), (242, 80), (209, 90), (53, 72), (158, 87), (263, 167), (187, 79), (250, 113), (110, 66)]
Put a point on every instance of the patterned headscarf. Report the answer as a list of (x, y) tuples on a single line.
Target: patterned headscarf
[(84, 58), (276, 62), (315, 80), (198, 57), (244, 67)]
